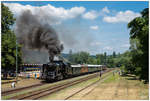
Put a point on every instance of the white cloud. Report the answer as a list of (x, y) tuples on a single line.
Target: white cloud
[(105, 9), (95, 43), (108, 48), (125, 46), (126, 16), (91, 15), (51, 14), (94, 27)]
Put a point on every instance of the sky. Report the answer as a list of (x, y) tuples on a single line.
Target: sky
[(91, 26)]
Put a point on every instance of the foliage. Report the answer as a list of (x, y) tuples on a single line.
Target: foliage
[(101, 58), (7, 19), (114, 54), (111, 61), (70, 55), (80, 57), (139, 35), (8, 47)]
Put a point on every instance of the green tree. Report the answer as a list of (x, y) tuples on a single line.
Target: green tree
[(105, 58), (114, 54), (70, 56), (92, 60), (139, 35), (84, 57), (100, 58), (7, 19), (110, 62), (8, 41)]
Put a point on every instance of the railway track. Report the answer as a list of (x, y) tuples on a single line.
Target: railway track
[(33, 95), (86, 88), (4, 93), (7, 92)]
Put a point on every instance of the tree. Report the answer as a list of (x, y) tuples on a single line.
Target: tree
[(100, 58), (7, 19), (92, 60), (9, 41), (81, 58), (105, 58), (139, 35), (110, 62), (70, 55), (114, 54)]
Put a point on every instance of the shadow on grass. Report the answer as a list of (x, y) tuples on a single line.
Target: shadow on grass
[(133, 77), (130, 77)]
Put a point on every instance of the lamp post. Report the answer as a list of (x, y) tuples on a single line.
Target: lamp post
[(16, 62)]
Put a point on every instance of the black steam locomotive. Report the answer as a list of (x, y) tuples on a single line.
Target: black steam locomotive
[(57, 70)]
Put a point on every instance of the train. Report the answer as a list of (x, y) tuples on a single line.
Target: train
[(58, 70)]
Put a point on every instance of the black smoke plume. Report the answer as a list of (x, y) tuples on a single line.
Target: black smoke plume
[(34, 34)]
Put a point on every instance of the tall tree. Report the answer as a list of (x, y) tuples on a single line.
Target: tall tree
[(8, 41), (70, 55), (100, 57), (114, 54), (7, 19), (139, 36), (105, 58)]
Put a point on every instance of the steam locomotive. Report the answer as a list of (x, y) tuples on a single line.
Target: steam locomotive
[(58, 70)]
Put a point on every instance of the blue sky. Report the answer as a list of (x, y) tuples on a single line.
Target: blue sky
[(89, 26)]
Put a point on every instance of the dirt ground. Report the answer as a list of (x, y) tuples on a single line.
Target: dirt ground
[(20, 83), (112, 88), (120, 89)]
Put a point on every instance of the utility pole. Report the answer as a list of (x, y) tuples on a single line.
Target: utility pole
[(16, 62)]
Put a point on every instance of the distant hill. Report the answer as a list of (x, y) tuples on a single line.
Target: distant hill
[(93, 56)]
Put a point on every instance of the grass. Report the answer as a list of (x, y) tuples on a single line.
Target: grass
[(112, 79), (140, 89), (143, 88)]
